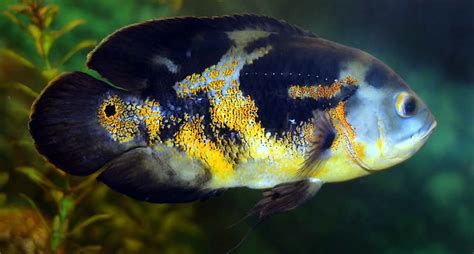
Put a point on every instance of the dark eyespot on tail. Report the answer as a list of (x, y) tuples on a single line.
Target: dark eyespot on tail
[(323, 137), (65, 126), (158, 175), (110, 110)]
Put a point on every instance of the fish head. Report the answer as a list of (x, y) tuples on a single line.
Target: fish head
[(388, 121)]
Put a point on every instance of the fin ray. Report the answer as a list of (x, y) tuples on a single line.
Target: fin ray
[(285, 197), (323, 137)]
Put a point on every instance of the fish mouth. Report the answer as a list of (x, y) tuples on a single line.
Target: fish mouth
[(428, 128)]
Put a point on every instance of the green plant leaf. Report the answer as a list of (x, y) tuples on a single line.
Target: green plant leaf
[(48, 41), (56, 236), (34, 31), (81, 45), (68, 28), (19, 8), (35, 175), (65, 208), (26, 90), (14, 68), (57, 195), (14, 19), (89, 221), (36, 34), (49, 13), (92, 179), (60, 222), (12, 54), (50, 73)]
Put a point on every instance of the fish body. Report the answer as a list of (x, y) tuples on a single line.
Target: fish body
[(199, 105)]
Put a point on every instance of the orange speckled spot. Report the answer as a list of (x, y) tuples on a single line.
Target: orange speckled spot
[(123, 123), (319, 91), (119, 125), (340, 114), (343, 128), (216, 84), (152, 117), (234, 111), (214, 74)]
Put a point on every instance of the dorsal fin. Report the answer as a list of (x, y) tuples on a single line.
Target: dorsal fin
[(158, 53)]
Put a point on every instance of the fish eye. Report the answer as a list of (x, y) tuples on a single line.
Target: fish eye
[(406, 104)]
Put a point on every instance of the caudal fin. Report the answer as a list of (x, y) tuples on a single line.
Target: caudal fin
[(65, 125)]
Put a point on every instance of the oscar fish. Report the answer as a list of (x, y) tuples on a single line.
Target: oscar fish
[(189, 107)]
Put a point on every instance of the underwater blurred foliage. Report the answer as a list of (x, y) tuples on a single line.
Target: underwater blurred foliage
[(425, 205), (42, 209)]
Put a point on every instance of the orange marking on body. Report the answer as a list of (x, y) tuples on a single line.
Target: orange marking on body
[(340, 113), (320, 91), (153, 119), (123, 124), (343, 128)]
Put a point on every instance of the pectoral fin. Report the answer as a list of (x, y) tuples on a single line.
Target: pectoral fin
[(285, 197), (324, 134)]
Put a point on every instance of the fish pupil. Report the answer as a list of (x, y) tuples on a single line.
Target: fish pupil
[(109, 110), (410, 106)]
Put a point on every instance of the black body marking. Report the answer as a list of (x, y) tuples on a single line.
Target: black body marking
[(293, 61)]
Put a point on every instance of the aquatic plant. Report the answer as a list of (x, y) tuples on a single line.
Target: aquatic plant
[(36, 19), (60, 207)]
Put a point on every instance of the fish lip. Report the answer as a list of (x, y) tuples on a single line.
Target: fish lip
[(428, 128)]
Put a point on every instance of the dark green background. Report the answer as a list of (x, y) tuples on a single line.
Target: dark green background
[(424, 205)]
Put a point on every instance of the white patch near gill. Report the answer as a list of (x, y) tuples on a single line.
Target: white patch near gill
[(164, 61), (365, 115)]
